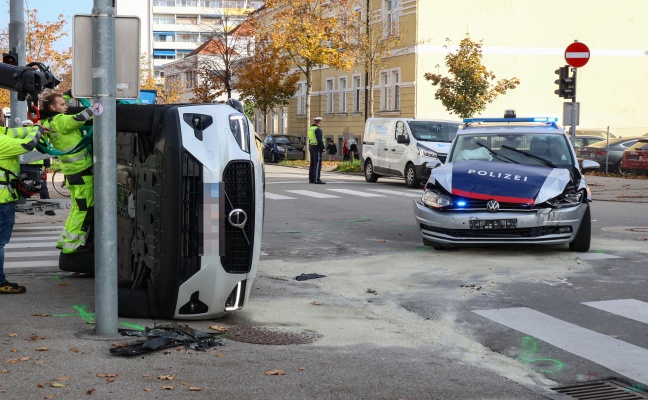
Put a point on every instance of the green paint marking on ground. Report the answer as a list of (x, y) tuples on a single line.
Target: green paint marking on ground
[(600, 251), (132, 326), (531, 349), (357, 221), (85, 316), (423, 248), (58, 278)]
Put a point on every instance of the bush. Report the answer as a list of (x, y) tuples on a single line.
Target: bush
[(348, 166)]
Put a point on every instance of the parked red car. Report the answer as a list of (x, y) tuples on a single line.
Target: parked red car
[(635, 158)]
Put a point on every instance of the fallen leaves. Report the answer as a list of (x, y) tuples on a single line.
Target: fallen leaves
[(167, 387), (57, 385), (40, 315), (17, 360), (13, 335), (194, 389), (218, 328), (36, 337), (316, 303), (74, 350), (90, 391), (166, 377), (42, 349), (275, 372), (4, 371), (110, 377)]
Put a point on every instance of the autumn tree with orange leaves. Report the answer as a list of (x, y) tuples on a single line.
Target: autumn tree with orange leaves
[(264, 79), (312, 33), (39, 42), (169, 93)]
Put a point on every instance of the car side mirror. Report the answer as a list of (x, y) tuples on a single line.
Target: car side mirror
[(589, 165), (402, 139)]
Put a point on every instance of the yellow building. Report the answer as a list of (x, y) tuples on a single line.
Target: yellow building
[(521, 38)]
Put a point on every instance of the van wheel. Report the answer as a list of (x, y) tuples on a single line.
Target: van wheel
[(411, 180), (581, 242), (370, 175)]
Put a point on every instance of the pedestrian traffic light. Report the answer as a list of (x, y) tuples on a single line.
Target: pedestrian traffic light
[(566, 84), (10, 58)]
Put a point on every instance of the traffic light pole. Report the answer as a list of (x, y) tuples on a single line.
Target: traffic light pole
[(17, 41), (573, 112)]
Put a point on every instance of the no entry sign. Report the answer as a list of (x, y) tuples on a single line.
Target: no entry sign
[(577, 54)]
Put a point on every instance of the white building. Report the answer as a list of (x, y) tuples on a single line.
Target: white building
[(171, 29)]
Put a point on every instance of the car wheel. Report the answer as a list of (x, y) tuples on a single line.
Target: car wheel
[(370, 175), (581, 242), (411, 180), (135, 118), (132, 303), (273, 157)]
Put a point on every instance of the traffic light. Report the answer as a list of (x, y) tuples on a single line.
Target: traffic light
[(566, 84), (10, 58)]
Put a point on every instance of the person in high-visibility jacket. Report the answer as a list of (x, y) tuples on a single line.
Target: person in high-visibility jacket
[(64, 134), (315, 148), (13, 142)]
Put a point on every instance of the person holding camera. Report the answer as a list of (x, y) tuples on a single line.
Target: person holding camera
[(13, 143)]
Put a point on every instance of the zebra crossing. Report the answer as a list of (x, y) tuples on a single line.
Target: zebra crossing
[(32, 247), (335, 193), (624, 358)]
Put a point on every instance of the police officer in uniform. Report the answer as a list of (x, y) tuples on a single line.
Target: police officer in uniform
[(13, 142), (65, 134), (315, 148)]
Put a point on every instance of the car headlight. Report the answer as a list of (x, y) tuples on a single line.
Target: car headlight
[(570, 198), (240, 130), (436, 200), (425, 152), (281, 149)]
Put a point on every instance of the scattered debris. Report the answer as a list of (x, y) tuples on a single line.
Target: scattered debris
[(372, 291), (304, 277), (469, 286), (275, 372), (164, 337)]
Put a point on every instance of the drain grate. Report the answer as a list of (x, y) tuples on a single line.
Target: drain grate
[(604, 390), (272, 336)]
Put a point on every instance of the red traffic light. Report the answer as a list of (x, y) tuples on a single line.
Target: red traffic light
[(10, 58)]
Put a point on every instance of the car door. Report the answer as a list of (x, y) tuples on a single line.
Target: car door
[(397, 153)]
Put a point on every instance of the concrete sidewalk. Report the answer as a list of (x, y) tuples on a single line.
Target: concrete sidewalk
[(606, 188)]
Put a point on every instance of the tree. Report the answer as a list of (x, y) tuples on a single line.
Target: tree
[(264, 79), (39, 41), (470, 90), (167, 94), (374, 46), (312, 33)]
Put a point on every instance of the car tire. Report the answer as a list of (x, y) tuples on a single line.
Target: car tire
[(583, 238), (370, 175), (133, 303), (273, 157), (135, 118), (411, 180)]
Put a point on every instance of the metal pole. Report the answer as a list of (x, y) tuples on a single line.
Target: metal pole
[(607, 150), (105, 166), (573, 111), (17, 42)]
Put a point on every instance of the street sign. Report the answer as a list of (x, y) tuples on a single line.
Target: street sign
[(577, 54), (567, 113)]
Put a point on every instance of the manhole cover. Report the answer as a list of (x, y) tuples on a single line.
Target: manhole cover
[(270, 335), (604, 390)]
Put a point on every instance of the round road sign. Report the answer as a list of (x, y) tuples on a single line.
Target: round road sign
[(577, 54)]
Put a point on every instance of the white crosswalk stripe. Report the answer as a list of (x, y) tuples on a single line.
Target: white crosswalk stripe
[(275, 196), (349, 192), (629, 308), (619, 356), (397, 193), (32, 247), (310, 193), (355, 192)]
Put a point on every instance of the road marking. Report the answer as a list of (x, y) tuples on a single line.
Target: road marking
[(355, 193), (32, 238), (31, 264), (17, 254), (313, 194), (629, 308), (18, 228), (617, 355), (596, 256), (274, 196), (397, 193), (28, 245)]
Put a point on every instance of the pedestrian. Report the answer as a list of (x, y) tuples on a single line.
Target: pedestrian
[(13, 142), (331, 150), (345, 151), (352, 149), (315, 148), (65, 133)]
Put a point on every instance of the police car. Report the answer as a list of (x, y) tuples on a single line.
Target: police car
[(508, 180)]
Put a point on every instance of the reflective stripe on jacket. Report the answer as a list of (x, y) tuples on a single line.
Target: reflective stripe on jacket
[(64, 135), (14, 142)]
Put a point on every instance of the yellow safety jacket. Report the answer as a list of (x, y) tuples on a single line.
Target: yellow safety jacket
[(64, 134), (14, 142)]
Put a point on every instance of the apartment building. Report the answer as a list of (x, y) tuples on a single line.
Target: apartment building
[(520, 38), (172, 29)]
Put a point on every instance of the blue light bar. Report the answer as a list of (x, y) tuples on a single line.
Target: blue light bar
[(534, 119)]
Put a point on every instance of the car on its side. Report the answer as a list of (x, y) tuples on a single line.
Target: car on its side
[(507, 181), (609, 153), (283, 147), (635, 159)]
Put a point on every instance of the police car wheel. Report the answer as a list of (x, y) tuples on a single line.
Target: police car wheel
[(370, 175), (410, 177), (581, 242)]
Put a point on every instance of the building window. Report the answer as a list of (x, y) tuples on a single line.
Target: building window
[(164, 20), (187, 37), (284, 121), (164, 54), (390, 90), (330, 85), (357, 93), (189, 80), (164, 3), (187, 3), (301, 98), (394, 82), (210, 3), (163, 36), (185, 20), (342, 86), (159, 74), (390, 17), (384, 90)]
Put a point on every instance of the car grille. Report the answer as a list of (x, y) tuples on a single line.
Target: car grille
[(191, 240), (495, 233), (238, 181)]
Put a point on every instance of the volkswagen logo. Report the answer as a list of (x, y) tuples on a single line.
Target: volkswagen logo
[(492, 205), (237, 218)]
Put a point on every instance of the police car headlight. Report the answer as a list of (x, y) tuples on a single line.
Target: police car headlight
[(570, 198), (436, 200), (240, 130), (425, 152)]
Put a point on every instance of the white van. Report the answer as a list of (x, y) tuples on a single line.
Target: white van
[(403, 147)]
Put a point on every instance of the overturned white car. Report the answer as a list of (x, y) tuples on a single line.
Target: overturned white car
[(507, 180)]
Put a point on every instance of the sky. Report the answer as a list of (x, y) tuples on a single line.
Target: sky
[(48, 10)]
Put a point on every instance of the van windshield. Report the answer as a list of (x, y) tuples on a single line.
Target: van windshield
[(434, 131)]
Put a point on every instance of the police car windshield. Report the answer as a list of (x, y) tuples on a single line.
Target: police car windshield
[(542, 149), (434, 131)]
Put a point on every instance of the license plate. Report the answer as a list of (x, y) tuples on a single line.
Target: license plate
[(493, 223), (633, 157)]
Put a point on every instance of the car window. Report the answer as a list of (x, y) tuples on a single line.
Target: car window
[(400, 130), (434, 131)]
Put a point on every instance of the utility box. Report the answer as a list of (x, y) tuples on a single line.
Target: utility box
[(567, 113), (127, 57)]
